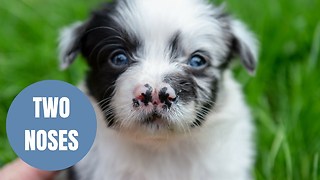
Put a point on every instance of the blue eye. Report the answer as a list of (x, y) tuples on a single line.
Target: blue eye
[(197, 61), (119, 60)]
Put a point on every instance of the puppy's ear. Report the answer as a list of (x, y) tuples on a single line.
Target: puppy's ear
[(244, 45), (70, 43)]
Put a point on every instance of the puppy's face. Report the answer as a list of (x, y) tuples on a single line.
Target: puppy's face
[(156, 66)]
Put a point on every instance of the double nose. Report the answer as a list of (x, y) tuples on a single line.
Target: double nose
[(147, 95)]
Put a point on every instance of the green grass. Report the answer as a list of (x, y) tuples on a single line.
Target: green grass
[(284, 94)]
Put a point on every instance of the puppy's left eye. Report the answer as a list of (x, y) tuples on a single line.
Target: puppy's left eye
[(119, 59), (197, 61)]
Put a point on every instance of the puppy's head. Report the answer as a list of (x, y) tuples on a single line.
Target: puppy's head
[(156, 65)]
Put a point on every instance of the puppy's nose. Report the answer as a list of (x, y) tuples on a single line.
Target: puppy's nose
[(143, 94), (147, 95), (167, 95)]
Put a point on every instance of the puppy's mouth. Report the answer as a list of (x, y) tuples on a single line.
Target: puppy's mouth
[(155, 118)]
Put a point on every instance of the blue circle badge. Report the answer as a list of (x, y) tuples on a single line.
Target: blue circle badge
[(51, 125)]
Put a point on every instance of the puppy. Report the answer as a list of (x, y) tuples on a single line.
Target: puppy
[(167, 106)]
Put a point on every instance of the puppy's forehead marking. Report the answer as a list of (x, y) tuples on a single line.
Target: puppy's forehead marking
[(162, 31), (175, 47)]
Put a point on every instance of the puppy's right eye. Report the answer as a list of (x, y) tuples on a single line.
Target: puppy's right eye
[(197, 62), (119, 59)]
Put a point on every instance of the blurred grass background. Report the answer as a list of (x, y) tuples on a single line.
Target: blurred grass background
[(284, 94)]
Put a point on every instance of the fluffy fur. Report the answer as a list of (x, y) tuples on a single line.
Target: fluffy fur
[(202, 128)]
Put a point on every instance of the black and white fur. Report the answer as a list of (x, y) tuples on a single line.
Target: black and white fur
[(160, 117)]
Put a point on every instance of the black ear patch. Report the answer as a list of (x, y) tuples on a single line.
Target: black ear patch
[(246, 56), (244, 45), (70, 43), (70, 40)]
